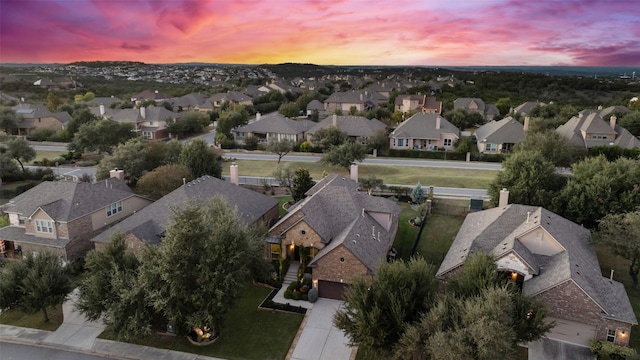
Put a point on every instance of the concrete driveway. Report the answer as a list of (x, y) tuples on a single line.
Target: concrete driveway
[(546, 348), (320, 340)]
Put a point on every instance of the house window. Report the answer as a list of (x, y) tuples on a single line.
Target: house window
[(44, 226), (303, 232), (341, 259), (275, 251), (400, 142), (447, 142), (147, 135), (114, 208), (611, 335), (20, 220), (491, 147)]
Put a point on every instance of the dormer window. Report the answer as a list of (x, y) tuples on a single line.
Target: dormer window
[(44, 226), (20, 220), (114, 208)]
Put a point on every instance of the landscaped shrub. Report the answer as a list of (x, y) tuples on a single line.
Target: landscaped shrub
[(313, 295), (41, 134), (251, 143), (305, 146), (605, 350)]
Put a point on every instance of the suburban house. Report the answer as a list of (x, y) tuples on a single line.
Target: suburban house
[(315, 105), (552, 260), (273, 127), (344, 101), (62, 216), (476, 105), (348, 233), (418, 103), (55, 83), (525, 109), (589, 129), (424, 131), (187, 102), (500, 136), (231, 97), (35, 116), (156, 96), (358, 128), (149, 122), (147, 226)]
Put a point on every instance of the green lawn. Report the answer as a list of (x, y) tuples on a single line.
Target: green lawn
[(18, 318), (403, 175), (51, 155), (283, 200), (248, 333)]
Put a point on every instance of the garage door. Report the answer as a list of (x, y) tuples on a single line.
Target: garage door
[(572, 332), (331, 290)]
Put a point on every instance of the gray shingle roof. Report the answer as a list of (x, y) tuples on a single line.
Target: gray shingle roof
[(276, 123), (148, 223), (463, 103), (526, 107), (189, 100), (590, 121), (315, 105), (351, 125), (16, 233), (342, 216), (231, 96), (497, 231), (424, 126), (507, 130), (68, 200)]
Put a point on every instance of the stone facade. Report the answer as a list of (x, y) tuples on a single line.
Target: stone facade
[(340, 265)]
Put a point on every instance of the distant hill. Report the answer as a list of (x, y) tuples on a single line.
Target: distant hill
[(99, 64), (291, 70)]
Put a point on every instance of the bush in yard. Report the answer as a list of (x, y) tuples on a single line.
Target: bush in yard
[(605, 350), (313, 295)]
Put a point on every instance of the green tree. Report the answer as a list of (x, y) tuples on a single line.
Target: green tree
[(101, 136), (558, 150), (599, 187), (53, 102), (464, 144), (8, 120), (463, 119), (631, 122), (130, 157), (163, 180), (530, 179), (191, 123), (284, 176), (504, 105), (280, 148), (370, 183), (289, 109), (193, 278), (344, 155), (329, 136), (301, 183), (20, 150), (78, 118), (7, 165), (375, 313), (200, 159), (417, 194), (621, 234), (32, 285), (233, 117)]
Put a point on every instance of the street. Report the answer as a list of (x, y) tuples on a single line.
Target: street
[(14, 351)]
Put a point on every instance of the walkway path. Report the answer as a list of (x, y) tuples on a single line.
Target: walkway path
[(75, 330)]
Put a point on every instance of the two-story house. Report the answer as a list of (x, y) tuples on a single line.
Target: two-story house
[(62, 216), (589, 129), (149, 122), (476, 105)]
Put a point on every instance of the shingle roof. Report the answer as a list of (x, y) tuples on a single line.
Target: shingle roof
[(68, 200), (498, 230), (16, 233), (590, 121), (276, 123), (32, 111), (351, 125), (423, 126), (148, 223), (150, 95), (315, 105), (463, 103), (526, 107), (232, 96), (341, 216), (152, 113), (507, 130), (189, 100)]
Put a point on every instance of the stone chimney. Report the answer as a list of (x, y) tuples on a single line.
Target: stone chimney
[(233, 171), (101, 110), (526, 123), (334, 120), (361, 97), (504, 198), (599, 107), (117, 173), (143, 112), (438, 119), (612, 121), (354, 172), (258, 115)]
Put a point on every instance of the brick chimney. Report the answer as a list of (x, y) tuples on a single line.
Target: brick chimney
[(612, 121), (354, 172), (117, 173), (258, 115), (526, 123), (233, 172), (504, 198)]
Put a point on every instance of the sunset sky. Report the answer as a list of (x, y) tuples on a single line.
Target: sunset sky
[(340, 32)]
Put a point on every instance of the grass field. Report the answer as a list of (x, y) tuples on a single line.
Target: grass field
[(402, 175), (18, 318), (51, 155), (248, 333)]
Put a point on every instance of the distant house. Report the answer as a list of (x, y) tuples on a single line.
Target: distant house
[(348, 233), (424, 131), (553, 261), (55, 83), (155, 95), (36, 116), (147, 226), (344, 101), (500, 136), (476, 105), (61, 216), (525, 109), (358, 128), (193, 101), (231, 97), (149, 122), (418, 103), (589, 129), (315, 105), (273, 127)]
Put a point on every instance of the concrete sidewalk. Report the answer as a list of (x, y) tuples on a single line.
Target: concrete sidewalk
[(76, 330)]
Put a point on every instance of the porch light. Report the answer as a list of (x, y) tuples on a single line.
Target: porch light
[(314, 283), (623, 333), (514, 276), (292, 246)]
